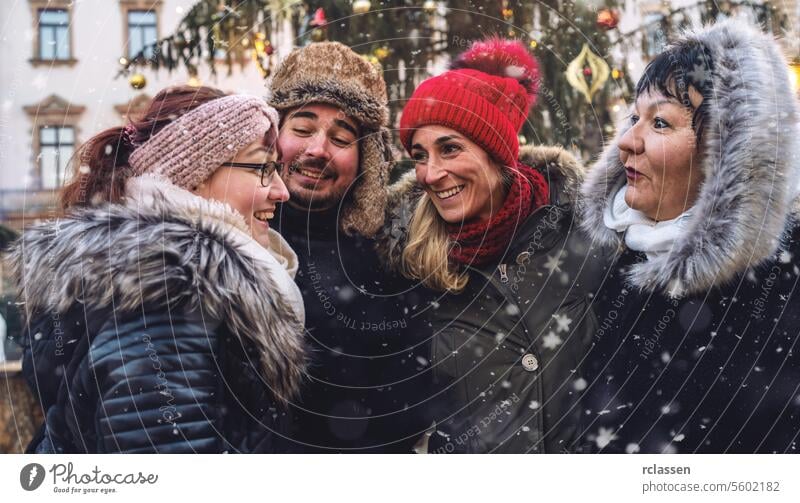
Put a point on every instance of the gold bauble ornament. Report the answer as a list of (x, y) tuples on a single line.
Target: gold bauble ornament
[(137, 81), (381, 53), (597, 68), (317, 34), (361, 6), (429, 6)]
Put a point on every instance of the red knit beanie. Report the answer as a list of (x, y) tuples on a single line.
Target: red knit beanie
[(486, 95)]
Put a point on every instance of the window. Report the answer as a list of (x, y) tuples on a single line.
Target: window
[(51, 26), (54, 34), (56, 146), (55, 135), (142, 32)]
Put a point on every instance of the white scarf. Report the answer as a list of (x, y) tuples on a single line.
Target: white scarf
[(641, 232), (280, 259)]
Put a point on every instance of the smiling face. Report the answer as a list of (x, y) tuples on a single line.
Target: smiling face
[(319, 146), (241, 188), (660, 155), (461, 179)]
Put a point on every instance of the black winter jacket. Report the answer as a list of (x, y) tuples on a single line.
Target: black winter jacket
[(713, 372), (506, 351), (365, 366), (150, 330)]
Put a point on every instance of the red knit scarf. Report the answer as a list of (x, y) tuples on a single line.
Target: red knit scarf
[(478, 243)]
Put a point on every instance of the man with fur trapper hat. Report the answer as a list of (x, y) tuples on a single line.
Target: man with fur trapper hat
[(337, 157)]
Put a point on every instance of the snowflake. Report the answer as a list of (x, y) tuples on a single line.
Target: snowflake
[(701, 73), (40, 82), (579, 384), (632, 448), (604, 437), (551, 340), (563, 321), (553, 264)]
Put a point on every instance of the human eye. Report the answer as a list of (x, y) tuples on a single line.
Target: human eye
[(660, 123), (419, 156), (451, 149)]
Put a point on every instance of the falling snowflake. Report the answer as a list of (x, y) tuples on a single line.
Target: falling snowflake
[(785, 256), (679, 437), (551, 340), (632, 448), (701, 73), (579, 384), (604, 437), (40, 82), (533, 405), (563, 321), (553, 264)]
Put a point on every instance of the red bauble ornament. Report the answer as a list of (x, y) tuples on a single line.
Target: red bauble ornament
[(587, 72), (319, 18), (607, 19)]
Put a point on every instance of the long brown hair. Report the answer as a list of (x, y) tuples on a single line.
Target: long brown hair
[(100, 166)]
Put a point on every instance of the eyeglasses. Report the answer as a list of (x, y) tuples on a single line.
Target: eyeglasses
[(267, 169)]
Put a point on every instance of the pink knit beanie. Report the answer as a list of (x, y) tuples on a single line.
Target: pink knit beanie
[(189, 149)]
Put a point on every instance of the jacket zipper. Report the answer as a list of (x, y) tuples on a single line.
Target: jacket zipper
[(503, 272)]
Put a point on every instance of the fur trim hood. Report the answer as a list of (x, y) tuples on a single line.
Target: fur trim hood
[(750, 168), (122, 257), (564, 174), (333, 74)]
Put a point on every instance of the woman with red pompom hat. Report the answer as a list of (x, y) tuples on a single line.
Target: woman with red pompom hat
[(490, 227)]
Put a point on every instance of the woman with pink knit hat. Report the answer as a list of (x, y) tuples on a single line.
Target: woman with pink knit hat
[(161, 311), (490, 227)]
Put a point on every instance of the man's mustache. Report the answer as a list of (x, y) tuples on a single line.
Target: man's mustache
[(308, 163)]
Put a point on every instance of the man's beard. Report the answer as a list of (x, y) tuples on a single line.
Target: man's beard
[(310, 199)]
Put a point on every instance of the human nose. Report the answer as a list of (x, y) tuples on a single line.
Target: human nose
[(631, 142), (433, 173), (318, 146), (277, 189)]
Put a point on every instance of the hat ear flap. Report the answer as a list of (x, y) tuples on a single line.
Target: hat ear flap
[(363, 213)]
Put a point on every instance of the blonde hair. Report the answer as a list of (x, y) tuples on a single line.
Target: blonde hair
[(425, 256)]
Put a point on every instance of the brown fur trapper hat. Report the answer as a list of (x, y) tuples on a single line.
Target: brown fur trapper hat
[(332, 73)]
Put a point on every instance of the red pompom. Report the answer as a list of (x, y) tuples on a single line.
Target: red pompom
[(504, 58)]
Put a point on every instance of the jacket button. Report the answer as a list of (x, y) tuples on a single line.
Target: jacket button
[(523, 257), (530, 363)]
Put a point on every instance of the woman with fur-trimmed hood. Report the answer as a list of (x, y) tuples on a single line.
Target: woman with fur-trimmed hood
[(697, 347), (490, 229), (161, 311)]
